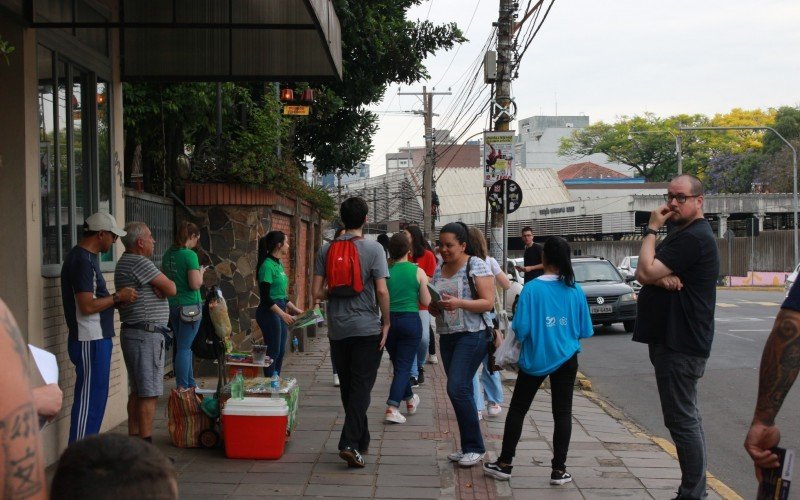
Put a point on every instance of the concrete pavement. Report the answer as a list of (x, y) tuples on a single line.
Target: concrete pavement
[(608, 456)]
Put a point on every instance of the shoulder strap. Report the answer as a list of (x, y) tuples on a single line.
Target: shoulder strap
[(474, 291)]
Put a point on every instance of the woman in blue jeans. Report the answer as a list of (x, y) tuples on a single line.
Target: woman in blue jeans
[(551, 317), (181, 265), (466, 295), (408, 288), (272, 316)]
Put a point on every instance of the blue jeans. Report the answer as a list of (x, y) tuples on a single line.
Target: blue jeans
[(276, 334), (488, 382), (422, 351), (462, 353), (402, 342), (185, 332), (676, 376)]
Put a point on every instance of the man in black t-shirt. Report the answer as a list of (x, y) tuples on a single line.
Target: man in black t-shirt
[(675, 318), (780, 363), (532, 262)]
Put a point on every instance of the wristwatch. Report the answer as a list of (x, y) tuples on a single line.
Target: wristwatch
[(649, 230)]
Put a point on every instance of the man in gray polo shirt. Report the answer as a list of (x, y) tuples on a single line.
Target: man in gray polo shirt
[(144, 323)]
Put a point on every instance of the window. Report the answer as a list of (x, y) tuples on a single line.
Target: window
[(74, 153)]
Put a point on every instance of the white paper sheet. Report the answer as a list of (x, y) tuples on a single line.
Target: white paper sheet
[(46, 363)]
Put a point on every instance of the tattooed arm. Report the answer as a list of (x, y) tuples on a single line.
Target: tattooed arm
[(21, 463), (780, 364)]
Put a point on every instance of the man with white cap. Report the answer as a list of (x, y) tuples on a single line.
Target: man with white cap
[(89, 312)]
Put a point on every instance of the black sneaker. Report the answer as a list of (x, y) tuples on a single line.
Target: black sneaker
[(497, 471), (560, 477), (421, 377), (352, 457), (414, 382)]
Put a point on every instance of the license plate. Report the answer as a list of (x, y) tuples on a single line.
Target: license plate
[(601, 309)]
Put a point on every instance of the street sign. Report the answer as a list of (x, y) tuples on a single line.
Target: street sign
[(498, 156), (496, 196), (297, 110)]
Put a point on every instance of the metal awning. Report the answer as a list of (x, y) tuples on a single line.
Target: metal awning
[(211, 40)]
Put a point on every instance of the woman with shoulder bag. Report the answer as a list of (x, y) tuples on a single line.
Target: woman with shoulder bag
[(463, 335), (181, 265), (552, 316), (272, 315)]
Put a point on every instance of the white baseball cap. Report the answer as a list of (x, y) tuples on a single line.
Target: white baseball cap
[(103, 222)]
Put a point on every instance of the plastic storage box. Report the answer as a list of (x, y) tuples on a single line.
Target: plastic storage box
[(255, 427)]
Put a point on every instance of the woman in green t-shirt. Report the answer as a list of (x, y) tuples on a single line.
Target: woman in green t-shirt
[(272, 316), (181, 265)]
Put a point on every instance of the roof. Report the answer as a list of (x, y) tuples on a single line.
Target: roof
[(588, 170), (461, 190)]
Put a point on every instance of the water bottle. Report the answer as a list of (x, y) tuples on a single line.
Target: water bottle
[(275, 385), (295, 345), (237, 386)]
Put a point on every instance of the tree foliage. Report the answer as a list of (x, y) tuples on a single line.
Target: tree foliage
[(379, 47)]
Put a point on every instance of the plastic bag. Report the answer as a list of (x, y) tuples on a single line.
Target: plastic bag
[(218, 310), (507, 355)]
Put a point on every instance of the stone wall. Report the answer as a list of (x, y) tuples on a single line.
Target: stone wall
[(231, 220)]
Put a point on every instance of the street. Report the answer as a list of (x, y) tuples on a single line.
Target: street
[(621, 372)]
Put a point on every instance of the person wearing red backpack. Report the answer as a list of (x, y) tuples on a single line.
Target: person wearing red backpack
[(350, 273)]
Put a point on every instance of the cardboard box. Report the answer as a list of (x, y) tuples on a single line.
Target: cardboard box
[(255, 427)]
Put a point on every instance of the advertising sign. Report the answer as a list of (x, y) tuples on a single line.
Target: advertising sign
[(497, 196), (498, 156)]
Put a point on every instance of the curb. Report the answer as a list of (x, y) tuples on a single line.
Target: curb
[(715, 484)]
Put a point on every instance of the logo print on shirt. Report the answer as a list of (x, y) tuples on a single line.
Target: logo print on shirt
[(563, 321), (550, 321)]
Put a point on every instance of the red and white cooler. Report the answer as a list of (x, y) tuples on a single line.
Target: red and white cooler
[(255, 427)]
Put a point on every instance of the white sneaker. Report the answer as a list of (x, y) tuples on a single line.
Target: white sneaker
[(394, 416), (470, 459), (412, 404), (336, 380), (480, 415), (456, 456), (432, 359), (494, 409)]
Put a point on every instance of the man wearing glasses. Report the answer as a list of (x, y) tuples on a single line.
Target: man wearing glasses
[(532, 261), (89, 313), (675, 318)]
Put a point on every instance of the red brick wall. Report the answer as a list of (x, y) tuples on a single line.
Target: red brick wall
[(303, 266)]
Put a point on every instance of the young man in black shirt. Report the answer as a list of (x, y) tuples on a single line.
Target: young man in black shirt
[(532, 261), (676, 318)]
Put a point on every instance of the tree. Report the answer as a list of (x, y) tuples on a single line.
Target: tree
[(787, 123), (734, 173), (379, 47), (652, 153)]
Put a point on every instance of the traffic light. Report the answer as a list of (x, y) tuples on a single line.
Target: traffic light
[(752, 226)]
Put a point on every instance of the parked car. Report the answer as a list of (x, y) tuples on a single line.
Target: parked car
[(517, 281), (791, 279), (628, 270), (610, 298)]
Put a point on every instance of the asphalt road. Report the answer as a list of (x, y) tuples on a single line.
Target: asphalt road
[(621, 372)]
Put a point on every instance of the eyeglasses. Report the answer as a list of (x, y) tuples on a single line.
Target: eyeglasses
[(527, 235), (680, 198)]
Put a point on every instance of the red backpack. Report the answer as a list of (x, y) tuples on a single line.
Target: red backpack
[(343, 269)]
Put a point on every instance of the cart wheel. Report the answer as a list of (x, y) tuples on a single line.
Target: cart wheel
[(209, 438)]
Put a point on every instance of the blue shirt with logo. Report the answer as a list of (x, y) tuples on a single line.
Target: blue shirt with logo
[(81, 273), (550, 319)]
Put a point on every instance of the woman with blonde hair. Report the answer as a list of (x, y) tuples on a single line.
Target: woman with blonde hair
[(485, 380), (181, 265)]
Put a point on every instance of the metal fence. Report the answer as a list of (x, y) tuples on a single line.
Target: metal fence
[(159, 215), (769, 251)]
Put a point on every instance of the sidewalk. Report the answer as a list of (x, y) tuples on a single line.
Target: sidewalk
[(607, 458)]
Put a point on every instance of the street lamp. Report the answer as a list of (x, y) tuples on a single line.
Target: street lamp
[(794, 167), (677, 138)]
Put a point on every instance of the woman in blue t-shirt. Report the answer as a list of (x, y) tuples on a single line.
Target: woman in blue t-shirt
[(552, 314)]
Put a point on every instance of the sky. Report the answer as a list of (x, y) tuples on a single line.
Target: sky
[(606, 59)]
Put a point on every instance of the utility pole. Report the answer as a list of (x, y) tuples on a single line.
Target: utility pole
[(502, 105), (430, 153)]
